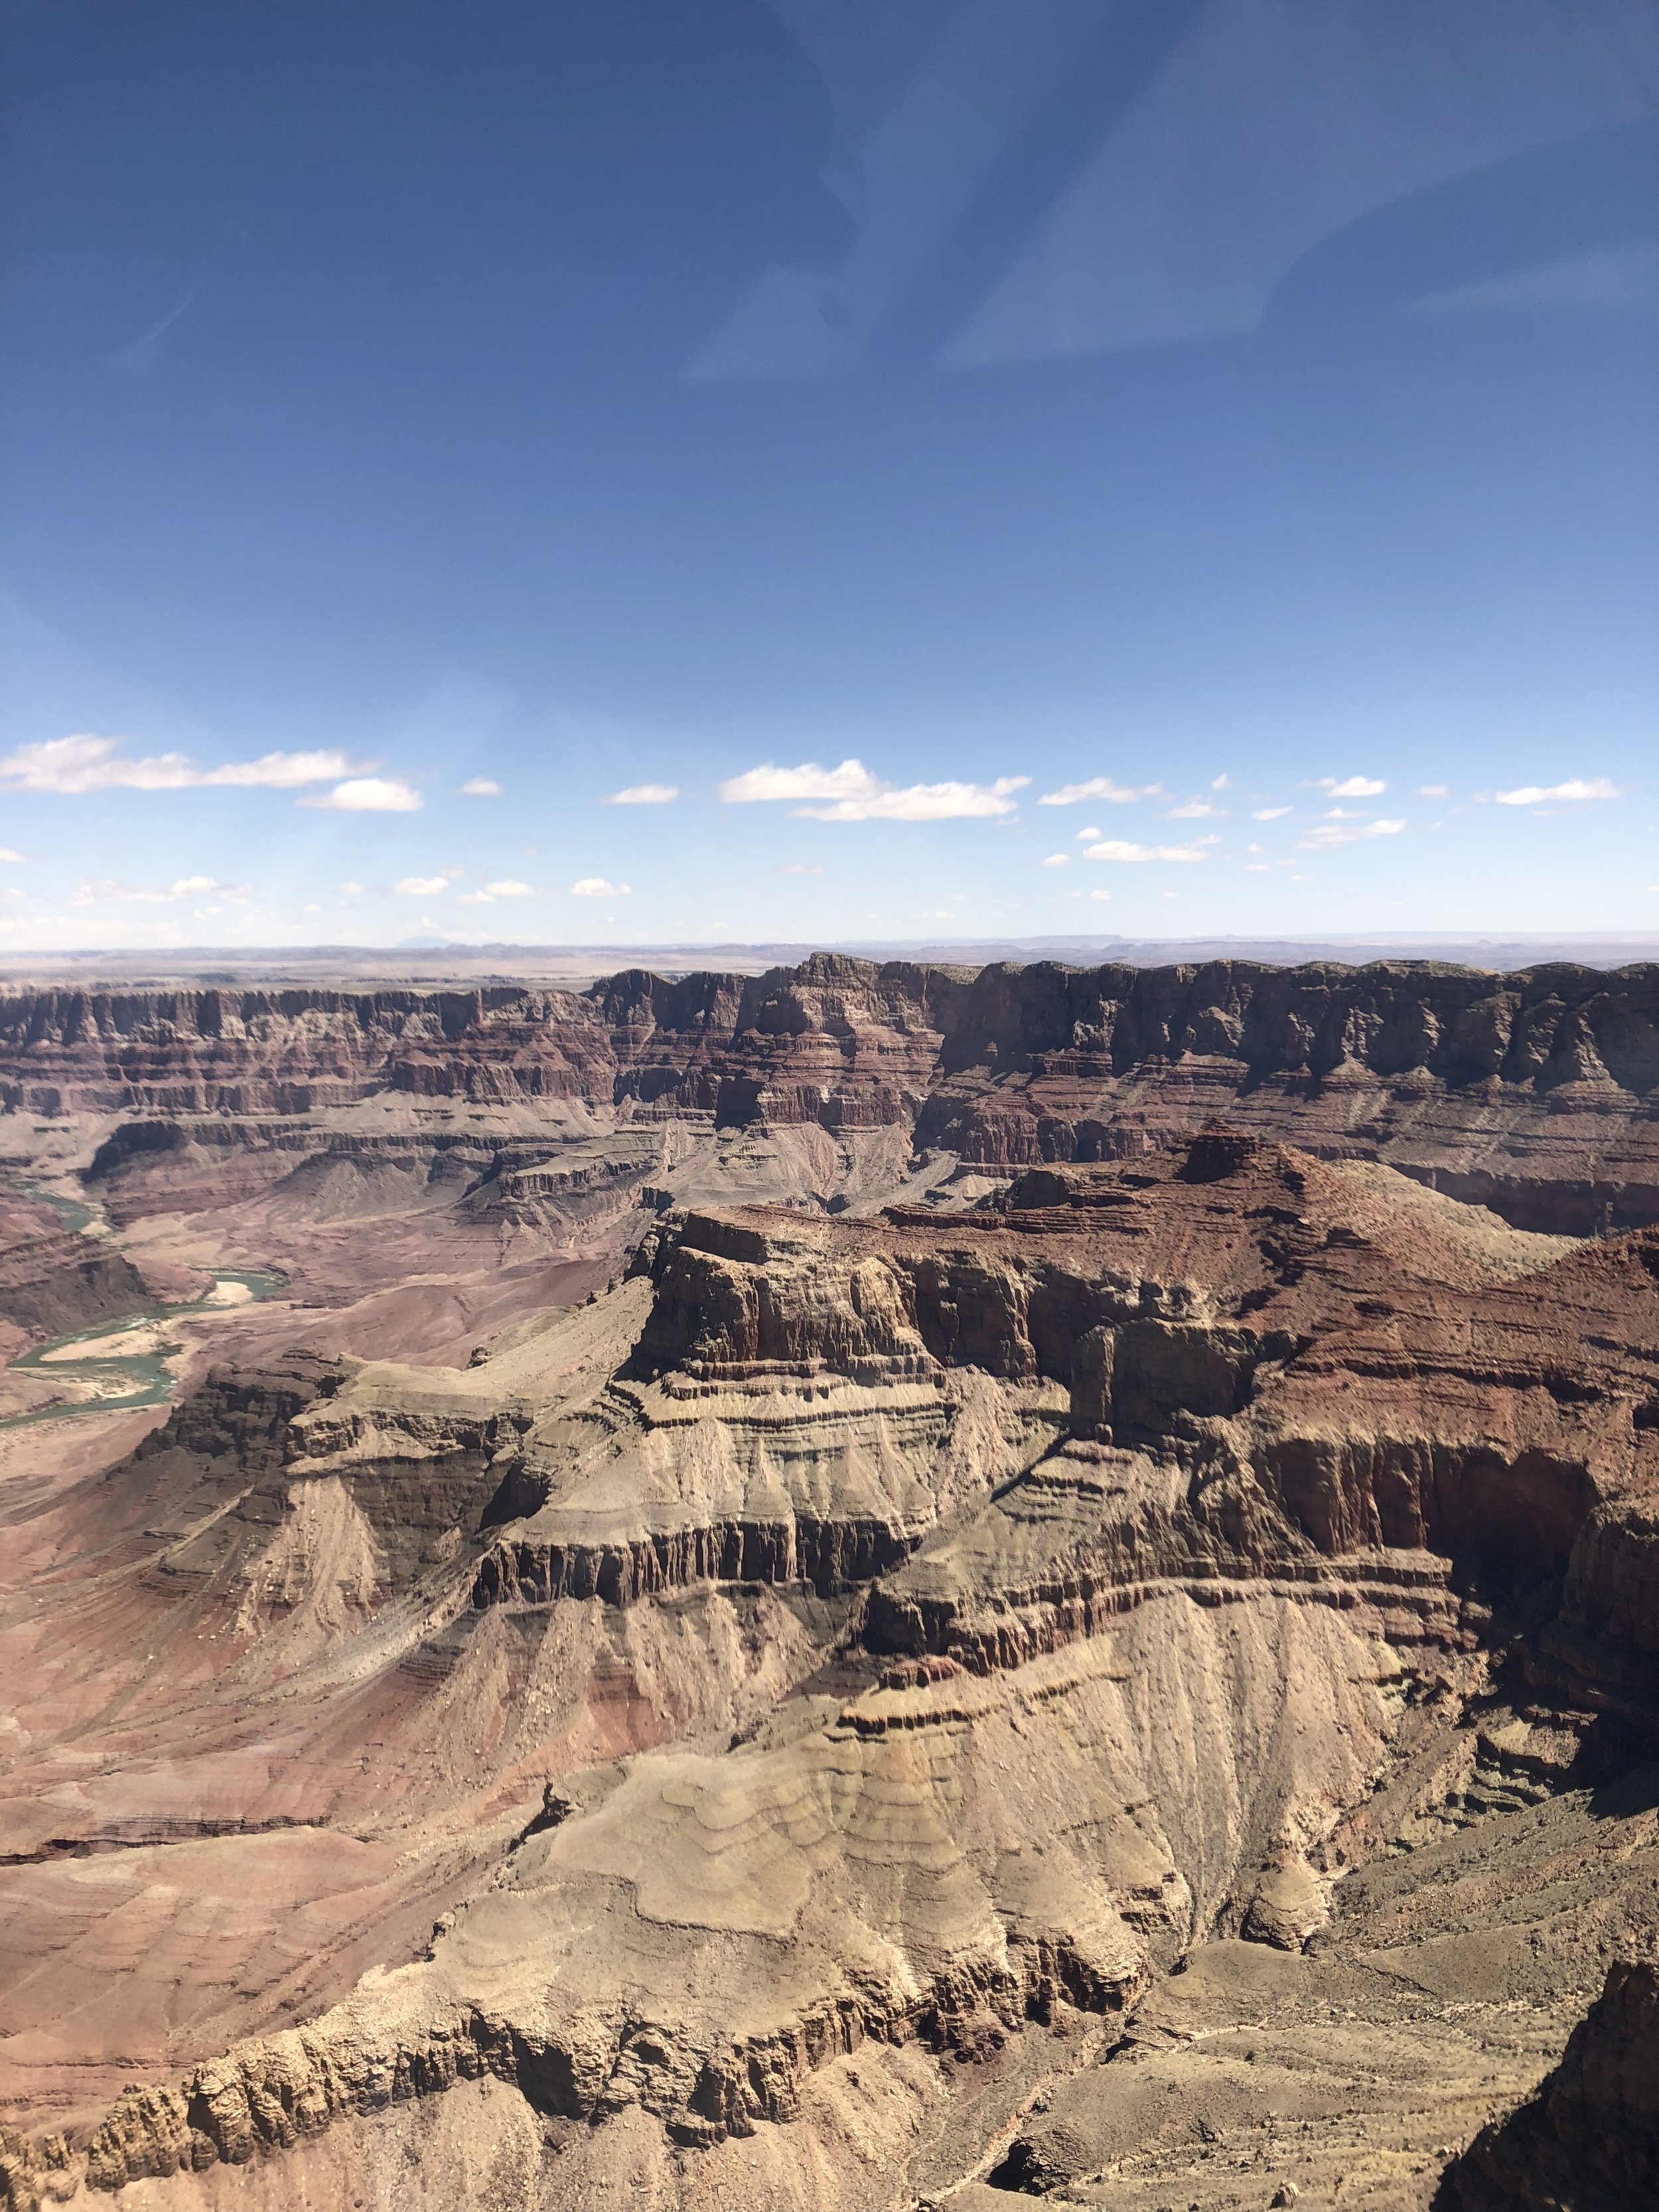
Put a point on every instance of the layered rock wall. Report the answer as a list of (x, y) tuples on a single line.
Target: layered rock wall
[(1533, 1093)]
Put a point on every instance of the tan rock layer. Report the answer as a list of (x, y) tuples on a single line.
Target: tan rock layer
[(271, 2094)]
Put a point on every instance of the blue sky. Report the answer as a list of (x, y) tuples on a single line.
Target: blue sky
[(866, 423)]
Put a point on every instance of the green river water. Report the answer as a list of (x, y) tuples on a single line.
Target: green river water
[(144, 1376)]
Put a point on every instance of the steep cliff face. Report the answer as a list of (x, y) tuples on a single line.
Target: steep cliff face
[(1532, 1092)]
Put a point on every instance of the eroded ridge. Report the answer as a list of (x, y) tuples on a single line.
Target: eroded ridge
[(974, 1618)]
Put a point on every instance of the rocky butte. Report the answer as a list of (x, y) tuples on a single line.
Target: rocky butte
[(860, 1589)]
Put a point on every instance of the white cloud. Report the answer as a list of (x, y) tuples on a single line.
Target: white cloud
[(801, 868), (421, 886), (72, 767), (1056, 861), (350, 890), (852, 779), (1342, 814), (481, 787), (488, 894), (1101, 787), (91, 890), (1267, 813), (1325, 833), (283, 771), (1434, 791), (851, 793), (1578, 787), (1195, 810), (1100, 895), (644, 794), (1087, 836), (1352, 787), (6, 853), (369, 795), (926, 802), (1113, 848), (597, 887), (1220, 782)]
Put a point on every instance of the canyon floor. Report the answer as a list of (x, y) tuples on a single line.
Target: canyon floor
[(856, 1588)]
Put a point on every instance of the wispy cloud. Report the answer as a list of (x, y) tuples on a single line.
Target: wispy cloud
[(597, 887), (1222, 782), (92, 891), (1114, 848), (642, 794), (1578, 787), (1194, 810), (481, 787), (140, 353), (368, 794), (1267, 813), (72, 767), (1325, 833), (6, 853), (1352, 786), (1102, 787), (851, 793), (1434, 791), (421, 887), (1056, 861)]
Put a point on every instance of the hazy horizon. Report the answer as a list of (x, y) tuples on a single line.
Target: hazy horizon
[(437, 963)]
